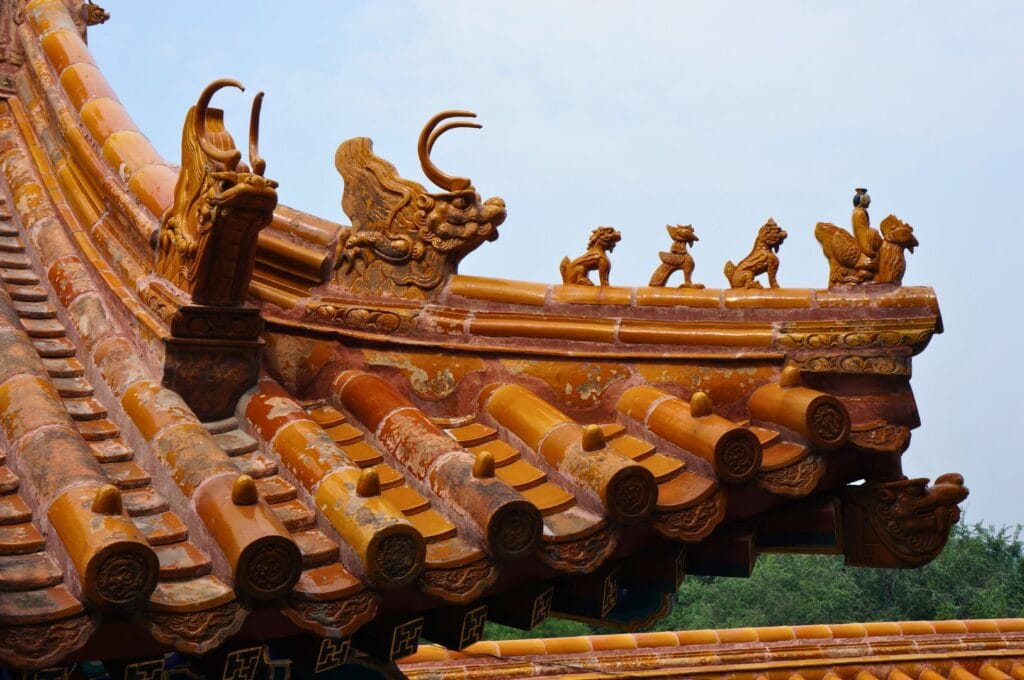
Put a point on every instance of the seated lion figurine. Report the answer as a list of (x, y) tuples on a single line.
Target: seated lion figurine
[(602, 241), (762, 259)]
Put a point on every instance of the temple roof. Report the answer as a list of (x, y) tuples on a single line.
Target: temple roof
[(226, 419)]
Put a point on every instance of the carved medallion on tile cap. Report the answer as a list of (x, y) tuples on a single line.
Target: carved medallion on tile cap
[(126, 578), (405, 241), (631, 494), (514, 530), (207, 240), (268, 567), (395, 556), (904, 523)]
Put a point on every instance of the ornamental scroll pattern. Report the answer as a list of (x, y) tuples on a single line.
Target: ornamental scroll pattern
[(40, 644), (342, 616), (196, 632), (582, 555), (798, 479), (855, 339), (356, 318), (694, 523), (853, 363), (468, 582)]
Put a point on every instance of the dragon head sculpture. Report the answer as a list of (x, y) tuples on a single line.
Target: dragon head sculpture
[(404, 240), (207, 240), (902, 523), (682, 233)]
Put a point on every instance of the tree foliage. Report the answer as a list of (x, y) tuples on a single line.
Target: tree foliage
[(980, 574)]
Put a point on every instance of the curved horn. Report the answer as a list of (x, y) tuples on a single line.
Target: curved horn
[(228, 158), (429, 135), (258, 164)]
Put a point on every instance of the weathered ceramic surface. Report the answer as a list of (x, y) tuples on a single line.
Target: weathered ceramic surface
[(226, 415)]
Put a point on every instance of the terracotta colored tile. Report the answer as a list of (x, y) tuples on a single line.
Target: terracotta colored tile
[(236, 442), (10, 260), (182, 560), (549, 499), (812, 632), (662, 467), (97, 430), (8, 480), (129, 150), (679, 297), (27, 293), (83, 82), (64, 367), (294, 515), (344, 434), (275, 490), (43, 328), (612, 642), (767, 298), (13, 510), (254, 464), (848, 630), (19, 539), (28, 572), (1010, 625), (697, 637), (543, 327), (775, 634), (11, 244), (781, 455), (975, 626), (521, 648), (126, 475), (498, 290), (882, 628), (54, 347), (104, 116), (503, 453), (432, 525), (829, 300), (73, 387), (111, 451), (315, 547), (36, 606), (734, 635), (631, 447), (389, 477), (472, 434), (327, 416), (362, 454), (144, 501), (203, 592), (698, 334), (329, 582), (917, 627), (154, 186), (520, 475), (950, 627), (568, 645), (84, 408), (658, 639), (162, 529), (592, 295), (19, 277), (406, 499)]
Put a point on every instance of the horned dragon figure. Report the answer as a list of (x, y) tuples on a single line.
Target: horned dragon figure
[(207, 240), (404, 240), (866, 255)]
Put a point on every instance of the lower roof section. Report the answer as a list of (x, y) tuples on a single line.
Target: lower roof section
[(987, 649)]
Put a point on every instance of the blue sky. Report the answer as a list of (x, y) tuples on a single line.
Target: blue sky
[(641, 114)]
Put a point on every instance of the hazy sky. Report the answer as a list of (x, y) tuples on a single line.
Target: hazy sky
[(718, 114)]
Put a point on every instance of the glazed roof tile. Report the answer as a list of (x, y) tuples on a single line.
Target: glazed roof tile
[(349, 462)]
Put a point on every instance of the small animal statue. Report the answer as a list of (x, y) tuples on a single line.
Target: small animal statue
[(762, 259), (576, 272), (897, 236), (857, 258), (406, 241), (677, 258)]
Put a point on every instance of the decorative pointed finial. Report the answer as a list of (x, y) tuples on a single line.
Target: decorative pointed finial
[(368, 484), (700, 405), (790, 377), (244, 491), (576, 272), (593, 438), (483, 466), (107, 501)]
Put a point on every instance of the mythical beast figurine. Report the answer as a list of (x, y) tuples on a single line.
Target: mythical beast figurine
[(207, 240), (576, 272), (762, 259), (403, 240), (678, 257), (865, 255)]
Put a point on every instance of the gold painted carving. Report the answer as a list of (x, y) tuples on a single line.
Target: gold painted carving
[(857, 335), (356, 318), (582, 555), (880, 437), (344, 615), (694, 523), (207, 240), (853, 363), (459, 584), (761, 260), (904, 523), (677, 259), (798, 479), (403, 240), (865, 255), (576, 272)]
